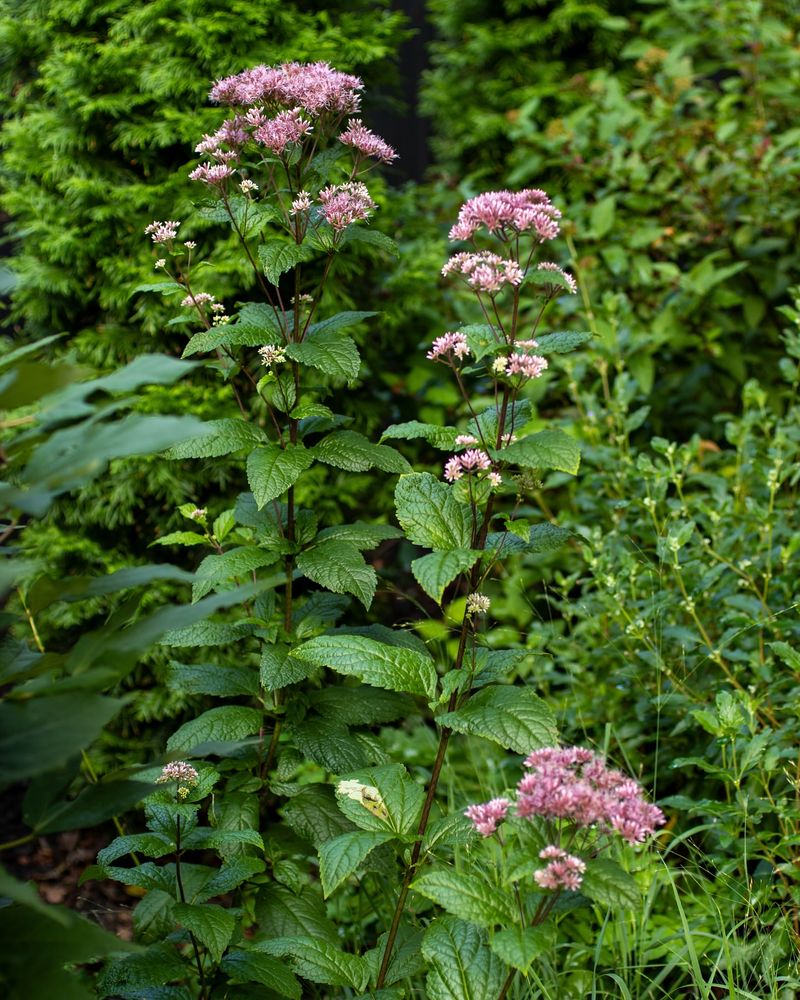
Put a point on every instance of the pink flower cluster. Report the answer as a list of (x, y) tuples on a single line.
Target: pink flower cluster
[(508, 212), (287, 126), (447, 343), (569, 281), (197, 299), (484, 271), (366, 142), (315, 87), (211, 173), (527, 365), (564, 871), (343, 204), (473, 460), (486, 817), (162, 232), (574, 784)]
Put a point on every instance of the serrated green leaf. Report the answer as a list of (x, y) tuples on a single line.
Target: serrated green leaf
[(211, 925), (340, 567), (438, 569), (252, 967), (605, 882), (362, 705), (551, 449), (278, 670), (343, 855), (181, 538), (541, 538), (224, 724), (481, 340), (462, 966), (314, 814), (220, 437), (391, 667), (400, 799), (519, 947), (277, 257), (430, 515), (329, 744), (152, 845), (439, 437), (562, 342), (280, 912), (161, 287), (360, 234), (338, 322), (364, 536), (206, 634), (262, 329), (515, 717), (353, 452), (328, 352), (213, 679), (230, 565), (229, 877), (272, 470), (467, 896), (319, 961)]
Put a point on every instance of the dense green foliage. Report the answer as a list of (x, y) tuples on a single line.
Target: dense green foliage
[(646, 607)]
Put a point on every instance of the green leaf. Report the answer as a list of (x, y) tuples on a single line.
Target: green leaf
[(541, 538), (462, 966), (470, 897), (219, 437), (329, 744), (94, 804), (364, 536), (338, 322), (230, 565), (211, 925), (212, 678), (430, 515), (152, 845), (278, 670), (40, 735), (562, 342), (391, 667), (224, 724), (277, 257), (353, 452), (153, 919), (272, 470), (401, 799), (519, 947), (229, 877), (314, 814), (514, 717), (360, 234), (181, 538), (601, 217), (340, 567), (551, 449), (328, 352), (362, 705), (319, 961), (252, 967), (481, 340), (438, 569), (282, 913), (438, 436), (160, 287), (144, 976), (605, 882), (206, 634), (341, 856), (242, 334)]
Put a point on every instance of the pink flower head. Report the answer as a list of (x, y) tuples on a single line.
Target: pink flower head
[(302, 203), (214, 174), (466, 439), (287, 126), (486, 817), (162, 232), (473, 460), (343, 204), (484, 271), (508, 212), (448, 342), (366, 142), (574, 784), (569, 281), (528, 365), (315, 87), (197, 299), (564, 871)]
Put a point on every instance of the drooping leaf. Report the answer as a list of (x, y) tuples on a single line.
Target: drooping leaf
[(224, 724), (339, 566), (364, 536), (515, 717), (343, 855), (429, 513), (391, 667), (219, 437), (551, 449), (562, 342), (438, 569), (435, 434), (462, 966), (467, 896), (328, 352), (277, 257), (271, 470), (235, 564), (211, 925), (353, 452), (319, 961), (252, 967)]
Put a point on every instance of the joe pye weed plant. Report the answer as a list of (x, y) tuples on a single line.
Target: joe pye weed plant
[(304, 860)]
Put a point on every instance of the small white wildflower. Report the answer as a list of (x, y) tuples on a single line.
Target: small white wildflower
[(247, 186), (161, 262), (180, 771), (198, 513), (272, 355), (190, 244), (499, 365), (478, 604)]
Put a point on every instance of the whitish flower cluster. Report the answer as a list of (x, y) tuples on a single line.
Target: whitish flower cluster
[(162, 232), (272, 355), (185, 776), (478, 604), (484, 271)]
